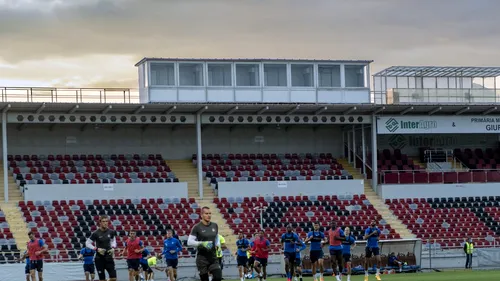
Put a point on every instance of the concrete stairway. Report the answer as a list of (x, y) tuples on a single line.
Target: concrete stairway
[(224, 228), (377, 202), (185, 171), (12, 213)]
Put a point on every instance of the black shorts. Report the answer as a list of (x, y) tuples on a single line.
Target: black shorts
[(251, 261), (262, 261), (337, 254), (372, 251), (221, 263), (172, 263), (346, 257), (146, 268), (27, 268), (290, 256), (207, 263), (133, 264), (105, 264), (316, 255), (242, 260), (298, 261), (36, 265), (90, 268)]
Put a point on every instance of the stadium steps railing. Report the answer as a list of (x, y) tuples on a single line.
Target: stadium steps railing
[(224, 228), (377, 202), (185, 171), (13, 215)]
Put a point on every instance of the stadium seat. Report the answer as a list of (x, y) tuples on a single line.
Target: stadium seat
[(8, 248), (65, 225)]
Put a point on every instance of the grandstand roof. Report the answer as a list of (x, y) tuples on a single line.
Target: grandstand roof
[(439, 71), (250, 60), (252, 108)]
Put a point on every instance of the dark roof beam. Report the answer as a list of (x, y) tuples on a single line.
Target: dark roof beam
[(170, 110), (201, 110), (232, 110), (291, 111), (463, 110), (262, 110), (40, 109), (107, 109), (74, 109), (407, 110), (435, 110), (321, 110), (380, 109), (490, 110), (350, 110), (138, 109)]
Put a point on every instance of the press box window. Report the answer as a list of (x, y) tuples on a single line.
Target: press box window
[(191, 74), (275, 75), (219, 75), (247, 75), (329, 76), (302, 75), (162, 74), (355, 76)]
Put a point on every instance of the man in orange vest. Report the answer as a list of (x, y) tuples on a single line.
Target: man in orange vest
[(335, 237)]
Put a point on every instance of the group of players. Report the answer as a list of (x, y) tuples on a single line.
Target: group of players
[(100, 248)]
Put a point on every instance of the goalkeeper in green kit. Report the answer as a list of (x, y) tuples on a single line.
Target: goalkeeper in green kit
[(205, 237)]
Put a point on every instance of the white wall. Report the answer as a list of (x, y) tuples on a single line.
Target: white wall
[(173, 144), (290, 188), (397, 191), (104, 191)]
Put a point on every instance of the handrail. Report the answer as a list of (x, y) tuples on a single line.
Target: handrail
[(446, 177), (78, 95)]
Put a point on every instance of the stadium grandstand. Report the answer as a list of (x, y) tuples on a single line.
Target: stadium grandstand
[(266, 144)]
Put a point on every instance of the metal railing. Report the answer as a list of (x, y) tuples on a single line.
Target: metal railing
[(69, 95), (433, 95), (446, 177)]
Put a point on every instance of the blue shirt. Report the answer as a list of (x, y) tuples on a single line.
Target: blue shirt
[(145, 254), (88, 255), (346, 245), (302, 247), (290, 240), (171, 244), (372, 240), (317, 237), (242, 245), (392, 261)]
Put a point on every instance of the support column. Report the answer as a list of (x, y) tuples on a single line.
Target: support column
[(349, 158), (374, 153), (363, 149), (4, 151), (198, 155), (354, 160), (343, 144)]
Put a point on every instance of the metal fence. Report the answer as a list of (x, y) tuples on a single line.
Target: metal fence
[(69, 95)]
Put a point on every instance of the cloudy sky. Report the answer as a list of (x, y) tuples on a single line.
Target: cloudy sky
[(97, 42)]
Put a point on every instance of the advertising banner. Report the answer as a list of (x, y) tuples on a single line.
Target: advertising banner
[(387, 125)]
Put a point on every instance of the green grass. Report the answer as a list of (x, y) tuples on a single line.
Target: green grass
[(431, 276)]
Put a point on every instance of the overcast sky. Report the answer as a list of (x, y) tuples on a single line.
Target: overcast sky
[(97, 42)]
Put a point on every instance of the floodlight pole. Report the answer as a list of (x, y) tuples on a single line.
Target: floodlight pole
[(198, 155), (4, 151), (261, 210)]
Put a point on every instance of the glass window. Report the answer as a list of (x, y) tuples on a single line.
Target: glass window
[(355, 76), (275, 75), (247, 75), (162, 74), (191, 74), (302, 75), (329, 76), (219, 75)]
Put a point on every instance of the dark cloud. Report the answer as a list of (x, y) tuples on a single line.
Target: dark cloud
[(390, 31)]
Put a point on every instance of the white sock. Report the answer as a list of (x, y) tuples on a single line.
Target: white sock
[(378, 270), (366, 272)]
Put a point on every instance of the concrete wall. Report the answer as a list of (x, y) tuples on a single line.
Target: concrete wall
[(104, 191), (290, 188), (396, 191), (177, 143)]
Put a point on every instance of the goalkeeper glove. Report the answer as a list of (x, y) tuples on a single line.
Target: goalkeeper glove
[(208, 245)]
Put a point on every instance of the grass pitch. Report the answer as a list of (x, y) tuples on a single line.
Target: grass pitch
[(457, 275)]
